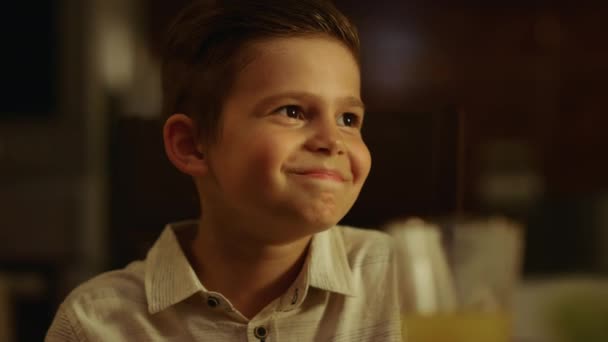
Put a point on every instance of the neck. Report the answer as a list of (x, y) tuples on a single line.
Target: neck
[(250, 278)]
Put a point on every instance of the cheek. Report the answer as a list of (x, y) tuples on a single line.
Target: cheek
[(265, 157), (361, 161)]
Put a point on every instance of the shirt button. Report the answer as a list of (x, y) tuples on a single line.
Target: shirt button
[(260, 332), (213, 301)]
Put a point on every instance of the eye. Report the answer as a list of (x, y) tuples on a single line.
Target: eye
[(349, 120), (292, 112)]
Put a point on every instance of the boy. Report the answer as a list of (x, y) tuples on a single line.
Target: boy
[(264, 112)]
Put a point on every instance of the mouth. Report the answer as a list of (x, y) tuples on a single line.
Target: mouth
[(322, 174)]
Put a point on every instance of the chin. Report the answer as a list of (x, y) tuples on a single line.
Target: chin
[(310, 218)]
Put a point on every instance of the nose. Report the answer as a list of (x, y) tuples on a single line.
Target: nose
[(326, 138)]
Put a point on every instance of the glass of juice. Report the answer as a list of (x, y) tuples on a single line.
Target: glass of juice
[(457, 278)]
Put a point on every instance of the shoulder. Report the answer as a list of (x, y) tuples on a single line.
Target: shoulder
[(365, 247), (113, 290), (100, 299)]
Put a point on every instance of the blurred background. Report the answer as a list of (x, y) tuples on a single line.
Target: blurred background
[(472, 110)]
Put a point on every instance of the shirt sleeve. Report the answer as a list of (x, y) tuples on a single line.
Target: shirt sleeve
[(63, 328)]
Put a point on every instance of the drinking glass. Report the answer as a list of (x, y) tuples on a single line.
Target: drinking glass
[(457, 278)]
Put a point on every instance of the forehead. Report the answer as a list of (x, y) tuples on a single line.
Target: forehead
[(315, 64)]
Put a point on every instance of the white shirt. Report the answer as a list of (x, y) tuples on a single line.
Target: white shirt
[(346, 291)]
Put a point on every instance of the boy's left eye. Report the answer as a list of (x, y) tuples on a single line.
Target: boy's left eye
[(348, 120)]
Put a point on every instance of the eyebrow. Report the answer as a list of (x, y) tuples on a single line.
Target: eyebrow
[(350, 101), (353, 101)]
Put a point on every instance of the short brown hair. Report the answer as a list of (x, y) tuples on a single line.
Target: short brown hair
[(204, 49)]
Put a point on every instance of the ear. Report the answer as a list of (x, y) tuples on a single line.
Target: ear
[(182, 145)]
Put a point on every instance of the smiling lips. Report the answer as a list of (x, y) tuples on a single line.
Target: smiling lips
[(324, 174)]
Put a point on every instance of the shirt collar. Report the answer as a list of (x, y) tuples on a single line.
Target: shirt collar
[(329, 268), (169, 278), (326, 267)]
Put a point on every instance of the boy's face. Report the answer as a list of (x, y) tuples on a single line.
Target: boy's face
[(289, 157)]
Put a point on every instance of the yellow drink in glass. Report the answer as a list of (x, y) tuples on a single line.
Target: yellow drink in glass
[(456, 327)]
